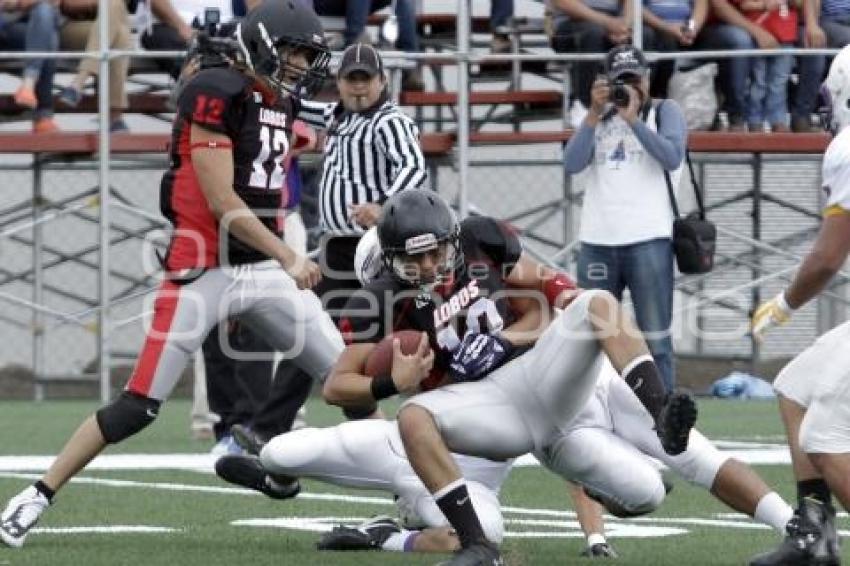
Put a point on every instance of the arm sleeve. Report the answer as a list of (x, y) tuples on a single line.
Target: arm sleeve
[(319, 115), (212, 100), (398, 139), (667, 146), (579, 150), (836, 180)]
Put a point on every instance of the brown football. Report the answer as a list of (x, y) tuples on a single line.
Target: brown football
[(380, 360)]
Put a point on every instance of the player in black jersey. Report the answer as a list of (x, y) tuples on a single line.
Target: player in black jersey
[(505, 382), (222, 193)]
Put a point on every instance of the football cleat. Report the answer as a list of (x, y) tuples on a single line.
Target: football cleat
[(247, 439), (21, 515), (480, 553), (599, 550), (810, 539), (369, 535), (247, 471), (677, 418)]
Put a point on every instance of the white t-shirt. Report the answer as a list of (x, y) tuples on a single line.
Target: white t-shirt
[(625, 197)]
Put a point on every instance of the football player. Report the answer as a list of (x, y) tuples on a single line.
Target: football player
[(814, 388), (502, 384), (222, 193)]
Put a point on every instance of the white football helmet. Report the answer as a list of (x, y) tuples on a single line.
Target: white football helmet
[(367, 258), (836, 92)]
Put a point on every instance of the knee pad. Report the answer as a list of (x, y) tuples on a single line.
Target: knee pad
[(126, 415)]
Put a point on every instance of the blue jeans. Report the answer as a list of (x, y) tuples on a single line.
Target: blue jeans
[(357, 12), (811, 69), (500, 12), (734, 72), (769, 89), (39, 31), (646, 269)]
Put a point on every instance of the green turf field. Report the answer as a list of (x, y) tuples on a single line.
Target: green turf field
[(191, 522)]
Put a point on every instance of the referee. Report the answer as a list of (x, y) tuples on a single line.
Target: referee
[(371, 152)]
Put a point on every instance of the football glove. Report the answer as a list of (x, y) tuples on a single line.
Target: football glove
[(477, 355), (774, 312)]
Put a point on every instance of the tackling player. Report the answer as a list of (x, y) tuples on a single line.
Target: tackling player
[(222, 193), (814, 388), (507, 384)]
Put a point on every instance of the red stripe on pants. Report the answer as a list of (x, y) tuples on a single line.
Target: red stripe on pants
[(163, 315)]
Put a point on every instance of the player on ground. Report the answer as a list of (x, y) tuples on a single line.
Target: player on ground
[(814, 388), (223, 194), (509, 384)]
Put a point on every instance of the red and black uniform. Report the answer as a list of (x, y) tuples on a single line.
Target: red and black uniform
[(259, 126), (477, 290)]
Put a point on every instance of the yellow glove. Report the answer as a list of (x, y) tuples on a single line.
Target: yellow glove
[(774, 312)]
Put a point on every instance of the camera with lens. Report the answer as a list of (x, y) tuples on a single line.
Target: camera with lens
[(213, 45), (619, 94)]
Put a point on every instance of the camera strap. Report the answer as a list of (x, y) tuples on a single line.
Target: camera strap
[(670, 191)]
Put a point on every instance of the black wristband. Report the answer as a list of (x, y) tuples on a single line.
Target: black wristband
[(383, 386)]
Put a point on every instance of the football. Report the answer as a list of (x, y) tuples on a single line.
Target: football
[(380, 360)]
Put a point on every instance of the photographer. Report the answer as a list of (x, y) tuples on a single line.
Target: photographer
[(625, 144)]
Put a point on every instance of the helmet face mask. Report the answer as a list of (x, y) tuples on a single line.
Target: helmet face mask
[(420, 239), (274, 36)]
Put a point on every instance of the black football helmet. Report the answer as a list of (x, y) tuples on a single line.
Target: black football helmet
[(412, 222), (274, 27)]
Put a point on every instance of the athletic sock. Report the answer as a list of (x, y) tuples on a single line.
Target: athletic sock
[(401, 541), (456, 505), (641, 375), (595, 538), (44, 490), (773, 511), (815, 489)]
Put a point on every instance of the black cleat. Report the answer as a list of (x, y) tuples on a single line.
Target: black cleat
[(810, 541), (370, 535), (481, 553), (599, 550), (247, 439), (247, 471), (677, 418)]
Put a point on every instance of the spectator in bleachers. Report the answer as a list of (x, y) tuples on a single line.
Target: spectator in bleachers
[(80, 33), (731, 30), (357, 13), (810, 68), (170, 32), (33, 25), (767, 97), (670, 25), (501, 12), (588, 26)]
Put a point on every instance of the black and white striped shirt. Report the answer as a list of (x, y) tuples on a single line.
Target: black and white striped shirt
[(368, 157)]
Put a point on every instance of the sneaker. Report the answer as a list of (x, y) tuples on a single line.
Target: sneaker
[(118, 126), (21, 514), (44, 126), (70, 97), (25, 96), (249, 472), (677, 418), (808, 541), (481, 553), (369, 535), (737, 124), (599, 550), (247, 439), (501, 43), (226, 445)]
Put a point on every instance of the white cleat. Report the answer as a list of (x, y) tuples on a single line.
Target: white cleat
[(20, 515)]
